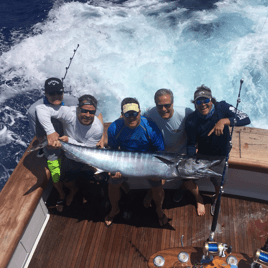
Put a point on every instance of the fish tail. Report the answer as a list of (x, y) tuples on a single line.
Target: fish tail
[(40, 145)]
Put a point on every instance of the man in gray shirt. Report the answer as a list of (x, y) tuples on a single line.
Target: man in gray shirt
[(171, 123)]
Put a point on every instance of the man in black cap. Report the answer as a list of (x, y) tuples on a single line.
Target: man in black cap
[(207, 130), (54, 96)]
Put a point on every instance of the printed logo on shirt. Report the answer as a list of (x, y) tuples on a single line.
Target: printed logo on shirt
[(239, 114)]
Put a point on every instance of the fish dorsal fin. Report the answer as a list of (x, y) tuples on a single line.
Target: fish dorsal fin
[(166, 161)]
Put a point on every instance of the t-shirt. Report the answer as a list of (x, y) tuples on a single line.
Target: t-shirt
[(79, 134), (172, 129), (144, 138), (35, 124), (197, 129)]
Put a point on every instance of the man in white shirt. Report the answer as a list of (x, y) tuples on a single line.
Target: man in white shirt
[(171, 124), (80, 126)]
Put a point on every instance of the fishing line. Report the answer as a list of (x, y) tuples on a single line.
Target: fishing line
[(217, 207)]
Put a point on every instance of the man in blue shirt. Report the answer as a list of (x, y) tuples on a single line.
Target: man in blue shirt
[(133, 132), (207, 130)]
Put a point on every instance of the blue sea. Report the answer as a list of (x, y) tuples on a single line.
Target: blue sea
[(128, 48)]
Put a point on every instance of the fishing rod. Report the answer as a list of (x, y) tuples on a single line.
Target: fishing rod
[(67, 68), (217, 207)]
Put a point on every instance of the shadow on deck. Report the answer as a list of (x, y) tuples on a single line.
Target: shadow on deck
[(77, 237)]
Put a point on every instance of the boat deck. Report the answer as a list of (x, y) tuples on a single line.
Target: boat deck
[(77, 237)]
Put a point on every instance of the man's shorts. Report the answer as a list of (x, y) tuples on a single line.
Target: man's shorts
[(152, 183), (71, 169), (53, 154), (217, 168)]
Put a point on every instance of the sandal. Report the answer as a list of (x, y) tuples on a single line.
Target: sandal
[(60, 205)]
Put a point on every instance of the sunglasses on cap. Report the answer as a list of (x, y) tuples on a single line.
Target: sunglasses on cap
[(199, 102), (160, 106), (53, 93), (84, 111), (131, 114)]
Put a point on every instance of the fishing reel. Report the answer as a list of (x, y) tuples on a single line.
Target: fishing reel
[(211, 249), (260, 259), (216, 249)]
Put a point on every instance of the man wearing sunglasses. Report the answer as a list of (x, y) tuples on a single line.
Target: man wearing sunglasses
[(207, 131), (54, 97), (81, 127), (171, 123), (133, 132)]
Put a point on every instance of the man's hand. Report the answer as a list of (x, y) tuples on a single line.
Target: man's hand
[(101, 142), (52, 138), (62, 138), (117, 175), (218, 129)]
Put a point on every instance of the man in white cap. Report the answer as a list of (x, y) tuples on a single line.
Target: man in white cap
[(133, 132)]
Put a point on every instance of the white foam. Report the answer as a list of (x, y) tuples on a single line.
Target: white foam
[(137, 47)]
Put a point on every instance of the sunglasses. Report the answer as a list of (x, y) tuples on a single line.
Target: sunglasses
[(160, 106), (53, 93), (133, 114), (84, 111), (199, 102)]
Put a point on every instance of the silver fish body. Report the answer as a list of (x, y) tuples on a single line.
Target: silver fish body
[(129, 164), (137, 164)]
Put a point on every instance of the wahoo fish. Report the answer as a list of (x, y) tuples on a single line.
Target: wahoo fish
[(139, 164)]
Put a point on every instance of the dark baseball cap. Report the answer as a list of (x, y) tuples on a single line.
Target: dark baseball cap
[(202, 92), (53, 84)]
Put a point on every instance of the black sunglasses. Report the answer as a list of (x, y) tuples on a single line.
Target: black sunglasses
[(133, 114), (160, 106), (84, 111), (53, 93)]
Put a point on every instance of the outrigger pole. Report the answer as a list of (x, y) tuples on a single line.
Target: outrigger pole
[(67, 68), (217, 207)]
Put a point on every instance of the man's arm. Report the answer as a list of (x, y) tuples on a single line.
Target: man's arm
[(112, 141), (44, 114), (101, 142), (233, 117), (156, 136)]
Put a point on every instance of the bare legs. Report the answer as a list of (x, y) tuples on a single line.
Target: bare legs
[(73, 191), (156, 193), (193, 188)]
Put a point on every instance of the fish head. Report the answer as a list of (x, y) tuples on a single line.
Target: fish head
[(189, 167)]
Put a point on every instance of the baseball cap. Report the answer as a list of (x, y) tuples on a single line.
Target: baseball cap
[(131, 107), (202, 92), (53, 84)]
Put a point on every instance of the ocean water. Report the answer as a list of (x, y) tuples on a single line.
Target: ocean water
[(128, 48)]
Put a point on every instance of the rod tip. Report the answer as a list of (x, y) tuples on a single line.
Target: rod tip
[(241, 81)]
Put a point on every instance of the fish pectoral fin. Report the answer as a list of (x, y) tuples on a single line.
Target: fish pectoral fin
[(98, 171), (166, 161)]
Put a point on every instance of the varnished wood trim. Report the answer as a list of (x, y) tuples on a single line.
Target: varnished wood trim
[(18, 200)]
